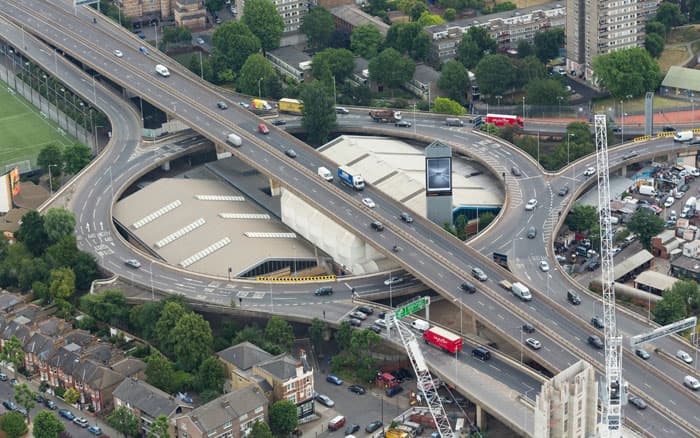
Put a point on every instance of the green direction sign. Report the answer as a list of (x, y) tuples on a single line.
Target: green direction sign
[(410, 308)]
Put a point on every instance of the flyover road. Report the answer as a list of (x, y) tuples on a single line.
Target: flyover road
[(193, 102)]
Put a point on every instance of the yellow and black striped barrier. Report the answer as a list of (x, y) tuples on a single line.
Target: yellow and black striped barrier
[(642, 138), (314, 279), (665, 134)]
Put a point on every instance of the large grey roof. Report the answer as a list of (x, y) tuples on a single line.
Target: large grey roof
[(146, 398), (291, 55), (227, 407), (356, 17), (283, 366), (426, 74), (129, 366), (8, 301), (244, 355), (683, 78)]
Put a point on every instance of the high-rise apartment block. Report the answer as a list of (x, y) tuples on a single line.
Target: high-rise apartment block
[(597, 27)]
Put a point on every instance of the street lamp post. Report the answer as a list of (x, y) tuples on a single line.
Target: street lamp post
[(335, 93), (50, 179), (155, 26), (259, 92), (568, 147), (559, 99), (498, 98), (414, 119), (153, 293)]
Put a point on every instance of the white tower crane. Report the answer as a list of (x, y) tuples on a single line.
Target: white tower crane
[(612, 386)]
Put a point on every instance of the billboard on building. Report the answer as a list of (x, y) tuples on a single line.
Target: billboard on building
[(438, 176), (14, 181), (5, 193)]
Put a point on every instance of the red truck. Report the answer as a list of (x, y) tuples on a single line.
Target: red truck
[(443, 339), (385, 115), (501, 120)]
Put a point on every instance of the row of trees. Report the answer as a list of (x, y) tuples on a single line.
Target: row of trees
[(71, 160)]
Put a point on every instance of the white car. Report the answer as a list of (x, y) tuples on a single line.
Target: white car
[(685, 357), (533, 343), (531, 204), (358, 315), (368, 202), (616, 250), (669, 202), (393, 280), (589, 171), (380, 323), (678, 194), (200, 41), (118, 53), (544, 266)]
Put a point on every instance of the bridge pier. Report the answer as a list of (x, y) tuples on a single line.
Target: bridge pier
[(275, 187), (165, 166), (623, 171), (480, 417)]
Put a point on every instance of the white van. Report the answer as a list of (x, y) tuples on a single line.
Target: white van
[(647, 190), (692, 170), (162, 70), (420, 325), (683, 136), (521, 291), (325, 173)]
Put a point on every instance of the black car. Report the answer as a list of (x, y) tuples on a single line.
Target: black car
[(406, 217), (354, 322), (357, 389), (375, 328), (381, 315), (515, 171), (279, 122), (642, 353), (50, 404), (595, 341), (10, 405), (351, 428), (404, 374), (684, 188), (668, 128), (373, 426), (222, 105), (564, 190), (468, 287), (597, 322), (528, 328), (291, 153), (403, 124), (366, 310), (38, 398), (573, 297)]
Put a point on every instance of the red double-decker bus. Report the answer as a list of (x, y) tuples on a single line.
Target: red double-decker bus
[(504, 119)]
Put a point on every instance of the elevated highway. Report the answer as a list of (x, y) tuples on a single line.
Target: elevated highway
[(443, 276)]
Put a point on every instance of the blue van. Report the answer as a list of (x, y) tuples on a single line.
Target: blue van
[(390, 392)]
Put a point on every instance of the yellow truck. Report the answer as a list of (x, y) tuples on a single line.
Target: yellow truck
[(396, 433), (291, 106)]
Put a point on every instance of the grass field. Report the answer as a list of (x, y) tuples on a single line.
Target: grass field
[(24, 131)]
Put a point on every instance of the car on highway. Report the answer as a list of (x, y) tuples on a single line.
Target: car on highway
[(479, 274), (637, 402), (366, 310), (378, 226), (325, 400), (291, 153), (143, 50), (515, 171), (133, 263), (597, 322), (351, 428), (669, 202), (357, 389), (668, 128), (403, 124), (244, 105), (629, 155), (222, 105), (531, 233), (691, 382), (334, 379), (528, 328), (81, 422), (642, 353), (595, 342), (65, 413), (391, 281), (358, 315), (341, 110), (533, 343), (544, 266), (95, 430), (468, 287), (373, 426), (263, 129), (406, 217), (589, 171), (573, 297), (685, 357), (354, 322), (564, 190), (118, 53), (279, 122), (200, 41), (531, 204), (369, 202)]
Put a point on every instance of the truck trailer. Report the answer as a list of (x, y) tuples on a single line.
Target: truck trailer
[(443, 339), (351, 178), (291, 106), (501, 120), (385, 115)]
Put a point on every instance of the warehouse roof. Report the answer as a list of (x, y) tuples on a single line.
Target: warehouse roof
[(631, 263), (683, 78), (655, 280)]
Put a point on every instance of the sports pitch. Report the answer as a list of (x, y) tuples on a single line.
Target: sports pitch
[(24, 131)]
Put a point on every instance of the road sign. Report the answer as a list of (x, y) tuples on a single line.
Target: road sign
[(411, 308), (660, 332)]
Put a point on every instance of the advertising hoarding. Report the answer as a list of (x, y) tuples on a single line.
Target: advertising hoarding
[(438, 176)]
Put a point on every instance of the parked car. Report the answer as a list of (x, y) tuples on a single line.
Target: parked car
[(3, 377), (374, 328), (354, 322), (244, 105), (50, 404), (366, 310), (95, 430), (325, 400), (279, 122), (357, 389), (380, 323), (358, 315), (373, 426), (351, 428), (65, 413), (81, 421), (9, 405), (14, 382), (334, 379)]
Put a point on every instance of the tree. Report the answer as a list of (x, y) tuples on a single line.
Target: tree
[(160, 428), (85, 268), (76, 157), (58, 223), (645, 225), (654, 43), (428, 19), (192, 339), (343, 335), (546, 92), (525, 49), (391, 69), (31, 232), (260, 429), (233, 42), (450, 14), (454, 80), (50, 155), (444, 105), (338, 62), (318, 117), (689, 293), (670, 309), (160, 372), (547, 44), (211, 375), (283, 417), (409, 38), (340, 39), (264, 21), (475, 44), (278, 331), (581, 218), (485, 219), (24, 397), (71, 396), (670, 15), (214, 5), (365, 40), (318, 26), (13, 352), (627, 72), (256, 68), (47, 425), (108, 306), (529, 69), (123, 421), (172, 312), (141, 319), (13, 425), (317, 332), (62, 284), (495, 74)]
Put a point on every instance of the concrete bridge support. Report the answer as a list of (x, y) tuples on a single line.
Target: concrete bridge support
[(275, 187), (165, 166), (480, 417)]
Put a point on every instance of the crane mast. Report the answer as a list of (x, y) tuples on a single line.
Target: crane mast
[(612, 386)]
